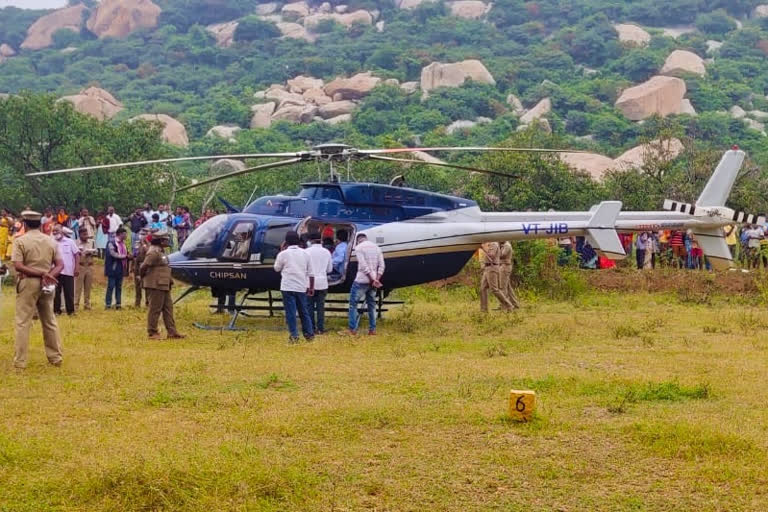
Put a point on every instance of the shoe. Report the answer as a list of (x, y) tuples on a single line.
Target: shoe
[(107, 308), (87, 308), (320, 333), (176, 336), (293, 340), (155, 336), (348, 332), (372, 333), (309, 339), (117, 308), (57, 364)]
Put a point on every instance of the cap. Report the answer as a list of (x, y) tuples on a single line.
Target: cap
[(161, 235), (31, 215), (68, 232), (144, 231)]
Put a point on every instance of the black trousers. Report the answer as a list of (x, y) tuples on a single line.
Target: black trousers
[(66, 285)]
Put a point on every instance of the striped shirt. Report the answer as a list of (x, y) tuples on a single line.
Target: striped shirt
[(370, 262)]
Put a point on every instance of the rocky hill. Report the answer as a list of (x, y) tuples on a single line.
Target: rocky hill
[(605, 76)]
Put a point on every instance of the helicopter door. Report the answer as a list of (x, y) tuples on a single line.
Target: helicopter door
[(309, 225), (238, 245)]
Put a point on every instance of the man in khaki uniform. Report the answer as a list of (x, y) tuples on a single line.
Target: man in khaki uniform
[(138, 258), (36, 260), (84, 279), (505, 259), (156, 274), (492, 277)]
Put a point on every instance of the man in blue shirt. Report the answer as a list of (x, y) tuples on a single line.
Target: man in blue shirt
[(339, 254)]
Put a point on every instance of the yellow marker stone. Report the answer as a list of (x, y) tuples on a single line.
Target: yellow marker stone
[(522, 404)]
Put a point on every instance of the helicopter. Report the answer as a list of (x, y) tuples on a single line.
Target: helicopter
[(425, 236)]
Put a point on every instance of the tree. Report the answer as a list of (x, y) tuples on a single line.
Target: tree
[(253, 28), (38, 133)]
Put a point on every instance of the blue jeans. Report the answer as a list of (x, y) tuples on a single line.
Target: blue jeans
[(355, 292), (116, 284), (294, 302), (317, 310)]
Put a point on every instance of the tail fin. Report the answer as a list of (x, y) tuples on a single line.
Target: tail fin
[(601, 230), (712, 243), (719, 186)]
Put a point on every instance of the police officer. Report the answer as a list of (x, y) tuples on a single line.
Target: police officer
[(156, 275), (505, 260), (492, 277), (37, 262)]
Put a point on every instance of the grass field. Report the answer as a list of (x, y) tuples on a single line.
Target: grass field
[(645, 403)]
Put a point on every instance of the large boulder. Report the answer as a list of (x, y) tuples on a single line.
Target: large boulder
[(262, 115), (541, 109), (755, 125), (224, 33), (517, 105), (316, 97), (460, 126), (40, 33), (469, 9), (438, 74), (173, 131), (352, 88), (686, 107), (343, 118), (282, 97), (632, 34), (681, 62), (295, 11), (224, 131), (227, 165), (713, 46), (95, 102), (337, 108), (6, 52), (295, 31), (303, 83), (655, 150), (295, 113), (266, 9), (119, 18), (662, 95), (409, 87), (761, 11), (737, 112), (596, 165), (357, 17)]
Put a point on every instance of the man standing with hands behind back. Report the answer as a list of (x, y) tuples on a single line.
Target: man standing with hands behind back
[(37, 263), (370, 268)]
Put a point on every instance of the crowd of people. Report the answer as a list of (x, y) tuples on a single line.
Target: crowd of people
[(81, 237), (673, 248)]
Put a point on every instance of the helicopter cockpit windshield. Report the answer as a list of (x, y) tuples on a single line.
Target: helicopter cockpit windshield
[(201, 241)]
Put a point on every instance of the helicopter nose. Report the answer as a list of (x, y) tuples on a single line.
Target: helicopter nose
[(176, 261)]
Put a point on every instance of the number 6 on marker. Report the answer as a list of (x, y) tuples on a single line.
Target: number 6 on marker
[(519, 404)]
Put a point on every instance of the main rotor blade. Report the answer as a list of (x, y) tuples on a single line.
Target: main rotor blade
[(454, 166), (270, 165), (468, 148), (166, 161)]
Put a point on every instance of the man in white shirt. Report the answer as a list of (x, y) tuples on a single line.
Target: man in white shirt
[(320, 260), (162, 214), (370, 268), (297, 281), (148, 211), (114, 222)]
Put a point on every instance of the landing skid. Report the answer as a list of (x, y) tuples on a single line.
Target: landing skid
[(271, 305)]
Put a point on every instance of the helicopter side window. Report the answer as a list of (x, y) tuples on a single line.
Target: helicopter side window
[(238, 246), (200, 243), (273, 239)]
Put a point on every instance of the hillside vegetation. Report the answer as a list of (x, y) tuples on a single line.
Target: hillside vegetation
[(567, 53)]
